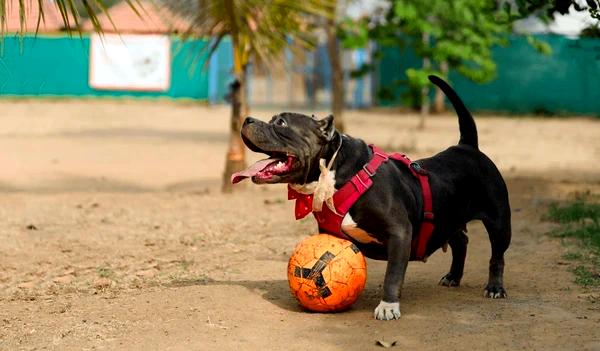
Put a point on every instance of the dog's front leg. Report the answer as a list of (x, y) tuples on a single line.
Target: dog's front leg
[(398, 248)]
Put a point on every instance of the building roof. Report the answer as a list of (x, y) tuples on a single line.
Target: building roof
[(52, 19), (152, 19)]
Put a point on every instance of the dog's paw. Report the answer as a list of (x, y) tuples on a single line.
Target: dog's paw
[(493, 291), (386, 311), (449, 281)]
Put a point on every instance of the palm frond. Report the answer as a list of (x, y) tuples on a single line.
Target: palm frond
[(94, 18), (69, 11), (259, 28), (22, 19), (41, 16)]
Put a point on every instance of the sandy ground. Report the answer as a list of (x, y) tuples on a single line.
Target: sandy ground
[(114, 235)]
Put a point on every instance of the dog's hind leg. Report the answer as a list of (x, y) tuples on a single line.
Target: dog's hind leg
[(458, 244), (499, 231)]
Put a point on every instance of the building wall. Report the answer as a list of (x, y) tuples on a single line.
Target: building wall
[(59, 66)]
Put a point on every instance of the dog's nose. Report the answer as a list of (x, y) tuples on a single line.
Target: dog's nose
[(249, 120)]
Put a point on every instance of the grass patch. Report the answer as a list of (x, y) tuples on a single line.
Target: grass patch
[(578, 211), (185, 264), (581, 221), (584, 276), (105, 272), (573, 256)]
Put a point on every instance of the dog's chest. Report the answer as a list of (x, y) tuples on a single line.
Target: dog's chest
[(351, 229)]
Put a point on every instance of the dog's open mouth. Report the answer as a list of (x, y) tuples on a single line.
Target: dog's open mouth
[(277, 164)]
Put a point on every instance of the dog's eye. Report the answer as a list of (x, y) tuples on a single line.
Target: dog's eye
[(281, 122)]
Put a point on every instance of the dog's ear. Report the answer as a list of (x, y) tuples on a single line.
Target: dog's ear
[(327, 127)]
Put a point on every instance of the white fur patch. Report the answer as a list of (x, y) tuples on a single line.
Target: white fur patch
[(387, 311), (350, 228), (305, 188), (348, 220), (310, 187)]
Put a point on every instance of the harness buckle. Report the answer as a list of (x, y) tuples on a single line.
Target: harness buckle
[(366, 169), (428, 216), (383, 156), (361, 182)]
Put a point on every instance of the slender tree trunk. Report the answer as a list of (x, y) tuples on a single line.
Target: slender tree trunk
[(425, 89), (313, 78), (438, 105), (235, 159), (236, 156), (337, 76)]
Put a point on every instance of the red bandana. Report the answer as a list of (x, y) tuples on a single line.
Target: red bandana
[(303, 202)]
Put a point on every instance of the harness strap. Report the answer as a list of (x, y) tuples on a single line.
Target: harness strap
[(349, 193), (419, 246)]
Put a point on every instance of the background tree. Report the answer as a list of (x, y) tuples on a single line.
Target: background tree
[(337, 73), (449, 35), (461, 36)]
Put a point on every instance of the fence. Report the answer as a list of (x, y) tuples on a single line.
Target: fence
[(527, 81), (59, 66), (304, 80), (567, 81)]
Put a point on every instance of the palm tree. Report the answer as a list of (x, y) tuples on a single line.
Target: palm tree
[(259, 30)]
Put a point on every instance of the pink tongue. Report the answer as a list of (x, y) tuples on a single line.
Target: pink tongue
[(251, 171)]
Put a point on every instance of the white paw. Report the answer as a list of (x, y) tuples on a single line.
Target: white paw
[(387, 311)]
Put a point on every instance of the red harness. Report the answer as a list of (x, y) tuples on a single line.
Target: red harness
[(343, 199)]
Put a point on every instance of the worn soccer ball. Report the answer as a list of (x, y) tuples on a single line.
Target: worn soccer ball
[(326, 273)]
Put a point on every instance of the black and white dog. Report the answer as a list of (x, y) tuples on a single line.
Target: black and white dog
[(465, 185)]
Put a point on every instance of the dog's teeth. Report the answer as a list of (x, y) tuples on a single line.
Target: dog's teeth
[(279, 165)]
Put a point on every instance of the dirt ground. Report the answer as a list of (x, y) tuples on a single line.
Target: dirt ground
[(114, 235)]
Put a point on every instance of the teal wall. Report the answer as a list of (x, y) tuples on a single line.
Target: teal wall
[(566, 82), (59, 66)]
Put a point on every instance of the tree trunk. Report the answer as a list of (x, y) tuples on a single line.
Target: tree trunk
[(236, 156), (337, 76), (438, 105), (235, 160), (424, 89)]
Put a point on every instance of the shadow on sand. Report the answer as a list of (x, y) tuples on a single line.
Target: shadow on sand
[(277, 292)]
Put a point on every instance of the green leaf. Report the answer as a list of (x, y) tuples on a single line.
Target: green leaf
[(405, 10), (353, 34), (541, 46), (418, 78)]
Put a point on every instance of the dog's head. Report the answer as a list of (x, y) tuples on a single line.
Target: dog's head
[(294, 143)]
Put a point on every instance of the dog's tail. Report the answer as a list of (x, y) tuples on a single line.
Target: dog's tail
[(466, 123)]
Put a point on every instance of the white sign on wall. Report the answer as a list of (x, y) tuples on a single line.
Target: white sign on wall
[(130, 62)]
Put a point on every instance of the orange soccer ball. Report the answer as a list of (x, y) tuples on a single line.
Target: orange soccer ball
[(326, 274)]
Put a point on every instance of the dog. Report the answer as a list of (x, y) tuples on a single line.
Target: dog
[(465, 185)]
